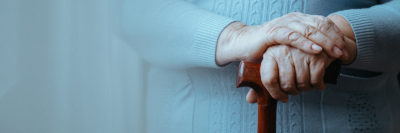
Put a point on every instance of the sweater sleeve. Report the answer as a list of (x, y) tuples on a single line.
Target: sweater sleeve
[(172, 33), (377, 32)]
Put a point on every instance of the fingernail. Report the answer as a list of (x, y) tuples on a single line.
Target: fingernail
[(337, 51), (316, 47)]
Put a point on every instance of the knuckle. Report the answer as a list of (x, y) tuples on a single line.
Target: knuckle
[(326, 43), (293, 36), (312, 59), (283, 53), (326, 25), (308, 60), (323, 27), (301, 84), (269, 82), (305, 61), (329, 21), (322, 65), (320, 25), (314, 82), (338, 38), (329, 43), (288, 87), (339, 41), (275, 95), (309, 30), (336, 29)]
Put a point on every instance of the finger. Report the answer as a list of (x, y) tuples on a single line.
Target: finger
[(287, 36), (251, 96), (286, 71), (302, 74), (317, 72), (346, 58), (317, 36), (327, 27), (269, 77)]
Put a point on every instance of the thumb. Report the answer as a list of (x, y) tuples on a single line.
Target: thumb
[(251, 96)]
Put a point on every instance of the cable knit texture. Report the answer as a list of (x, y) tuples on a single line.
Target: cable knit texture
[(202, 98)]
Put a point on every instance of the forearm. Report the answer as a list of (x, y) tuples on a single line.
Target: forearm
[(172, 33), (376, 31)]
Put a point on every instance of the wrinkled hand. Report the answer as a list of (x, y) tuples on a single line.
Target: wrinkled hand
[(285, 70), (303, 81), (306, 32)]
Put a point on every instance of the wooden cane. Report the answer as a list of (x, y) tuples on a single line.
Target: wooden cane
[(249, 75)]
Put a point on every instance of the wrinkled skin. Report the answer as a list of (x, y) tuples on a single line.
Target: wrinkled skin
[(310, 33), (294, 50), (287, 70)]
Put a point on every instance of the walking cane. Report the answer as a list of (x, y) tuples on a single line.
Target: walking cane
[(249, 75)]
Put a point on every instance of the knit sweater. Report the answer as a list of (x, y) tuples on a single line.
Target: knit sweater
[(187, 91)]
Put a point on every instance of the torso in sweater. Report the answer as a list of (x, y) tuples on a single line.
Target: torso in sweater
[(203, 100)]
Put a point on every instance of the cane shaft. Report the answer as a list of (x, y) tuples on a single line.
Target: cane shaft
[(249, 75)]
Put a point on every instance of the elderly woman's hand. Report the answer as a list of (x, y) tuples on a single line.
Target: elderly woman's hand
[(306, 32), (286, 70)]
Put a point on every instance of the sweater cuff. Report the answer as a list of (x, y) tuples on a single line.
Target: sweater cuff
[(205, 39), (365, 36)]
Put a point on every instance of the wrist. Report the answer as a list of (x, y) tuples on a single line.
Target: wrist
[(226, 51)]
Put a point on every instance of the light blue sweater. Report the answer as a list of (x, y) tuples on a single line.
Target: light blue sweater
[(187, 92)]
